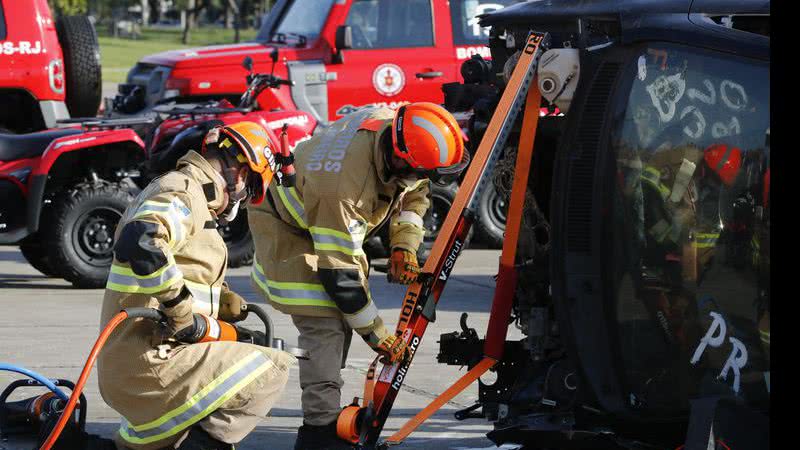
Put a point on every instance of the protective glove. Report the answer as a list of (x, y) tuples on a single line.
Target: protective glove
[(403, 267), (391, 348), (190, 331), (231, 306)]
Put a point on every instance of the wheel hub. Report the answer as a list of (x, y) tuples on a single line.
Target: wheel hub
[(497, 209), (93, 235)]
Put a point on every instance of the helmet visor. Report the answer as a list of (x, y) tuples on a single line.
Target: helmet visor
[(443, 175)]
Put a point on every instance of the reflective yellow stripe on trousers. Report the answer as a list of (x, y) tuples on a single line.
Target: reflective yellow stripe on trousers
[(200, 405), (291, 293)]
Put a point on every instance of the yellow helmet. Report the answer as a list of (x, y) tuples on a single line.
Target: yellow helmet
[(250, 144)]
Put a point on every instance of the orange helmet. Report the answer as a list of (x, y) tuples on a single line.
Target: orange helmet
[(724, 160), (249, 143), (428, 138)]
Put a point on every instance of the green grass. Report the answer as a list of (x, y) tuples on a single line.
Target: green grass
[(119, 55)]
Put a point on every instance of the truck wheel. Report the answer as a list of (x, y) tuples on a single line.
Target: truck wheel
[(36, 254), (491, 220), (78, 40), (442, 198), (79, 231), (239, 240)]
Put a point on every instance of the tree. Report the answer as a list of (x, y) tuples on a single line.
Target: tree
[(68, 7), (192, 9)]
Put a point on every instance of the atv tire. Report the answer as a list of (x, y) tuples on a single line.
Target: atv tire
[(239, 240), (81, 50), (491, 220), (36, 254), (78, 231)]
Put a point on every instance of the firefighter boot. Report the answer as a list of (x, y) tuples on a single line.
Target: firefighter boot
[(199, 439), (320, 437)]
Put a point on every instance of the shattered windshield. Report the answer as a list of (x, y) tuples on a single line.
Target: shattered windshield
[(691, 228), (303, 20)]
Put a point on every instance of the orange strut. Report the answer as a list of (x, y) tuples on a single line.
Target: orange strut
[(76, 393), (501, 305), (446, 396)]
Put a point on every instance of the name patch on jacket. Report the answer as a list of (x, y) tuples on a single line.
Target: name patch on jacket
[(332, 147)]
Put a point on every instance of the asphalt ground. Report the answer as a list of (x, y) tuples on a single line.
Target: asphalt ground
[(49, 327)]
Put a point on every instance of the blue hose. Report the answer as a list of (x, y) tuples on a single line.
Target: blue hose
[(41, 379)]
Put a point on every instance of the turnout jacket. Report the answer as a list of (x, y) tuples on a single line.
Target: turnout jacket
[(309, 257), (168, 246)]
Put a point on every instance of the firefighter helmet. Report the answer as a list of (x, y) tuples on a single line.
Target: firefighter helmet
[(249, 143), (428, 138), (724, 160)]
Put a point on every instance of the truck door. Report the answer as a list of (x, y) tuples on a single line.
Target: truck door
[(395, 57)]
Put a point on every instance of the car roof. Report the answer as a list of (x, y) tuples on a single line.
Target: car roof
[(692, 22)]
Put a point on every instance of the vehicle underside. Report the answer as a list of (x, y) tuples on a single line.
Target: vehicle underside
[(643, 256)]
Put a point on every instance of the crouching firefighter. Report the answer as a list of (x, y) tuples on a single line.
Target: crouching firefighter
[(368, 168), (188, 384)]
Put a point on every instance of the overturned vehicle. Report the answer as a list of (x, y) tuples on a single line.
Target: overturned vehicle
[(643, 259)]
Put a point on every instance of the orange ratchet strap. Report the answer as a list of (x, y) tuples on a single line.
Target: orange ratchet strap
[(507, 275)]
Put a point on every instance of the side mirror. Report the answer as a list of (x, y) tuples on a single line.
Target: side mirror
[(344, 40), (248, 63), (344, 37)]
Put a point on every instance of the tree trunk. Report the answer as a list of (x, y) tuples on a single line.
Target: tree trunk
[(145, 12), (233, 6), (229, 16), (155, 11), (191, 17)]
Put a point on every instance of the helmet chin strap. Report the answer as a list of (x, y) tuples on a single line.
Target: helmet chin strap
[(388, 151)]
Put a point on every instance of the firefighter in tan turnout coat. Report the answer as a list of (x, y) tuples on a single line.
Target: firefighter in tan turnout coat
[(172, 391), (368, 168)]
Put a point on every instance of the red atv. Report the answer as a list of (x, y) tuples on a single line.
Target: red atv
[(63, 191)]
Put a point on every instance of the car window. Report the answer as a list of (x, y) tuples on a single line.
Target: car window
[(2, 23), (391, 23), (689, 254), (305, 18), (463, 14)]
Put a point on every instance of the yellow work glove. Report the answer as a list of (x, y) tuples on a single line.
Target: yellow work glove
[(391, 348), (232, 306), (403, 267)]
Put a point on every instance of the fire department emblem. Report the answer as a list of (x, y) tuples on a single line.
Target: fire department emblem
[(388, 79)]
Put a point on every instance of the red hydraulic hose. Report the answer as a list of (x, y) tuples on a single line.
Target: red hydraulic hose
[(87, 368)]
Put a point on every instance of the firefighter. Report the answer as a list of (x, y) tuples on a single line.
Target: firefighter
[(369, 168), (172, 391), (681, 189)]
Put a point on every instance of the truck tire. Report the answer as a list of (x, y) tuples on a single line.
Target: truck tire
[(35, 253), (491, 220), (441, 201), (78, 231), (442, 198), (239, 240), (78, 40)]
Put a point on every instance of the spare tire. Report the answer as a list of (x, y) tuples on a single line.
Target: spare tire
[(78, 40)]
